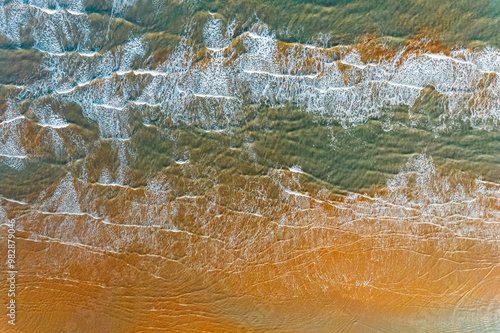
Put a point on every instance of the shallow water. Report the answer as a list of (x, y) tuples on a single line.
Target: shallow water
[(222, 177)]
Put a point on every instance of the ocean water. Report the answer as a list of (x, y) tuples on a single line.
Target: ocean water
[(254, 167)]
